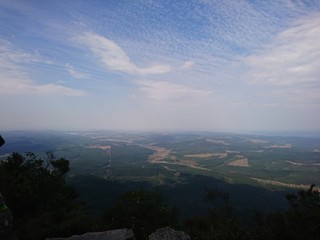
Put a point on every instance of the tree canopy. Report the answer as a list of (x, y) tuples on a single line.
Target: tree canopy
[(143, 211), (41, 202), (300, 221)]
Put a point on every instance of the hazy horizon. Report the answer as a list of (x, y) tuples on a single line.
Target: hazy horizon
[(303, 134), (221, 66)]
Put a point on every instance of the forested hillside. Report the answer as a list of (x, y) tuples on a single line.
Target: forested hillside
[(43, 205)]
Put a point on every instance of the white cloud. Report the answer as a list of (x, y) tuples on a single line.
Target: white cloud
[(15, 80), (187, 64), (54, 89), (292, 58), (75, 73), (115, 58), (164, 90), (19, 85)]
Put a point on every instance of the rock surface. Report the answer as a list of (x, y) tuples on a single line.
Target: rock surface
[(169, 234), (119, 234), (127, 234)]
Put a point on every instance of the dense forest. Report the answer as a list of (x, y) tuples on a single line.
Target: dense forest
[(44, 205)]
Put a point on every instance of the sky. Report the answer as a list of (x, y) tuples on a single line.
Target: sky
[(160, 65)]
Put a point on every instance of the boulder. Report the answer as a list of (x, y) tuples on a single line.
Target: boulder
[(169, 234), (119, 234)]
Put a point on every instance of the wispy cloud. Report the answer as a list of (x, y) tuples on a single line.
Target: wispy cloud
[(22, 86), (292, 58), (164, 90), (187, 64), (253, 64), (115, 58), (14, 79), (75, 73)]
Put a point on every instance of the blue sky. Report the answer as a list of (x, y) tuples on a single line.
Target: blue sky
[(224, 65)]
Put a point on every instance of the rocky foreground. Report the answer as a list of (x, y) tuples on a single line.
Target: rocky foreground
[(127, 234)]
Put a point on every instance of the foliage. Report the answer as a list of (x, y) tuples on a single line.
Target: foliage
[(43, 205), (219, 223), (41, 202), (301, 221), (143, 211)]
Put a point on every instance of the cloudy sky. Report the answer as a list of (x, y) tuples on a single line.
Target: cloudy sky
[(217, 65)]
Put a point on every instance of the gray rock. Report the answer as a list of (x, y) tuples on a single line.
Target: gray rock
[(119, 234), (169, 234)]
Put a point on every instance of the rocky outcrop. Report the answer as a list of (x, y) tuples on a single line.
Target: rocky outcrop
[(127, 234), (119, 234), (169, 234)]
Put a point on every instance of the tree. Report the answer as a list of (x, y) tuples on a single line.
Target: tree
[(143, 211), (219, 223), (301, 221), (42, 203)]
